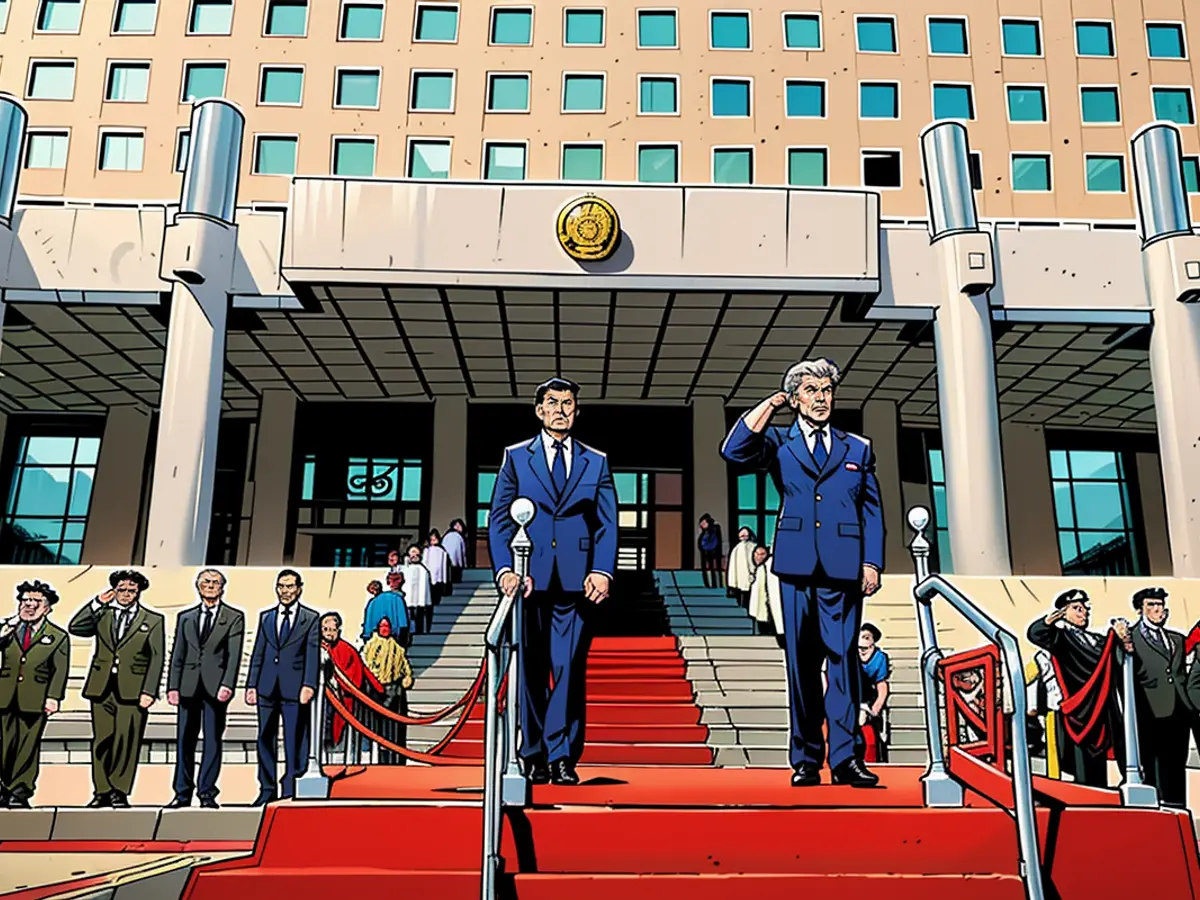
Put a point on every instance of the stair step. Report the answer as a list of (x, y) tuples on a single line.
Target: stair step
[(614, 734), (631, 713), (624, 754)]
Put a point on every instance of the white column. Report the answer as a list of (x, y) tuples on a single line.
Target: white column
[(275, 438), (13, 121), (448, 489), (710, 476), (115, 512), (881, 425)]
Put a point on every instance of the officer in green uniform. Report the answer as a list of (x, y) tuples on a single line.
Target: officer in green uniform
[(35, 656)]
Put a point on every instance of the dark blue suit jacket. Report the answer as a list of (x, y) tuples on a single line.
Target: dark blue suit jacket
[(829, 518), (575, 533), (288, 668)]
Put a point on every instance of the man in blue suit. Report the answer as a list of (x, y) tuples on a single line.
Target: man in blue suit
[(282, 683), (574, 535), (828, 555)]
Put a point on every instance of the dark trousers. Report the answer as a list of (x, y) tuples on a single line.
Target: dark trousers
[(821, 620), (555, 641), (438, 591), (117, 729), (197, 714), (20, 747), (297, 728), (421, 618), (455, 575), (743, 598), (712, 565), (395, 699), (1163, 743)]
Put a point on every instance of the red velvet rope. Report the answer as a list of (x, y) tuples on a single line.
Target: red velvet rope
[(431, 719), (415, 755)]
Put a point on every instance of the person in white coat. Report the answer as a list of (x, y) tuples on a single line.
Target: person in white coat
[(455, 544), (759, 600), (774, 599), (741, 566), (418, 593), (437, 561)]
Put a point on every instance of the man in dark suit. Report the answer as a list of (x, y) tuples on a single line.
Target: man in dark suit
[(35, 656), (282, 683), (828, 555), (201, 679), (123, 681), (574, 535)]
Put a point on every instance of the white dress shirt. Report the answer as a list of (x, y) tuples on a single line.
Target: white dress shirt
[(292, 617), (568, 450), (810, 435), (1156, 634), (124, 614), (416, 586)]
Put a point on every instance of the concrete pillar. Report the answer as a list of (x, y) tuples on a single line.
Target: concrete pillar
[(710, 476), (1030, 496), (881, 423), (1154, 514), (13, 122), (198, 256), (275, 437), (115, 513), (1171, 262), (448, 498)]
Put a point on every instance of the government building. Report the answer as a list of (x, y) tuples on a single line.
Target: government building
[(280, 277)]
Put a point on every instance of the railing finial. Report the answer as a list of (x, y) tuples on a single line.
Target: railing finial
[(918, 521)]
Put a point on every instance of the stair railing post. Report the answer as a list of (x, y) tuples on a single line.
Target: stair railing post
[(313, 785), (1134, 791), (515, 786)]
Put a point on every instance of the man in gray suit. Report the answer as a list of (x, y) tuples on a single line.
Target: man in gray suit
[(201, 679)]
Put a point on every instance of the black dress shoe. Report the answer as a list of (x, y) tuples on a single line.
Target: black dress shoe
[(537, 771), (119, 800), (209, 803), (101, 801), (263, 799), (854, 774), (806, 775), (18, 801), (562, 772), (179, 803)]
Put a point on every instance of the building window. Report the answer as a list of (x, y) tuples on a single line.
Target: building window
[(1093, 39), (308, 477), (757, 506), (46, 150), (1099, 105), (583, 92), (1105, 174), (808, 167), (505, 162), (875, 34), (878, 100), (4, 4), (881, 169), (731, 97), (1174, 105), (128, 82), (1164, 40), (354, 157), (275, 154), (804, 99), (281, 86), (375, 480), (361, 22), (485, 485), (948, 37), (582, 162), (658, 95), (658, 164), (1021, 37), (975, 165), (135, 17), (657, 29), (286, 18), (436, 23), (1031, 172), (428, 158), (203, 80), (51, 81), (729, 30), (1093, 513), (1026, 104), (802, 31), (508, 93), (122, 151), (953, 101), (183, 145), (733, 165), (357, 89), (211, 17), (583, 28), (49, 499), (512, 27), (60, 16), (432, 92), (1191, 174), (941, 515)]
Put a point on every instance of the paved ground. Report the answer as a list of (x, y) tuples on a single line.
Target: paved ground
[(71, 785)]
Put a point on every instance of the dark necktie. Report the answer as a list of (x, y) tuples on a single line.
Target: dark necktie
[(819, 453), (286, 628), (558, 471), (206, 628), (119, 622), (26, 637)]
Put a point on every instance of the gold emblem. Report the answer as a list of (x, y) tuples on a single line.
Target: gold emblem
[(588, 229)]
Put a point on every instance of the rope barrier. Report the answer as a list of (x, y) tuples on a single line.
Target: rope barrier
[(414, 755), (431, 718)]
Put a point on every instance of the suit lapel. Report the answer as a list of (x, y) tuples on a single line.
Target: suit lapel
[(838, 448), (579, 463), (798, 447), (541, 467), (1158, 647), (134, 626), (300, 610)]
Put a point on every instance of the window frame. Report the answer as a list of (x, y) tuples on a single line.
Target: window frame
[(116, 15), (1134, 526), (426, 139), (412, 89), (1191, 95), (358, 138), (642, 76), (1183, 40), (726, 12), (183, 81), (934, 85), (61, 61), (783, 17), (858, 17), (1107, 87), (1045, 103), (975, 154), (434, 3), (491, 33), (107, 131), (44, 132), (337, 75), (603, 76), (1124, 173), (505, 142), (108, 73), (712, 164), (268, 5), (603, 24), (491, 76), (1195, 160), (881, 82), (37, 16), (740, 79), (637, 25), (948, 17), (1112, 37), (263, 68), (1041, 33), (175, 161), (191, 17), (1014, 154), (341, 20), (562, 148), (862, 164), (787, 166), (824, 82), (256, 145), (637, 160)]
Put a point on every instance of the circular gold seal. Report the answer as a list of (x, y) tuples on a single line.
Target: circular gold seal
[(588, 229)]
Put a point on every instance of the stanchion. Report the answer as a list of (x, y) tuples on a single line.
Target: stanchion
[(313, 785), (514, 786)]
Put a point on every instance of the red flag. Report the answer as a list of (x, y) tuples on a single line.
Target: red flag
[(1193, 639), (1083, 712)]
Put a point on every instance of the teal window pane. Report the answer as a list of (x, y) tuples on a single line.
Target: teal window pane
[(204, 80), (1165, 41), (1026, 104), (52, 81), (583, 163), (354, 158), (748, 520), (512, 26), (308, 478), (211, 17), (948, 36), (505, 162), (437, 23), (876, 35), (60, 15), (657, 28), (1068, 547), (1174, 105), (508, 93), (945, 559), (731, 98), (627, 488), (287, 18), (1030, 173), (49, 451), (1093, 39), (805, 99), (878, 101), (481, 518), (1105, 173), (410, 484), (362, 22), (937, 471), (4, 4), (433, 91), (282, 86), (1100, 105), (1021, 38), (128, 82), (357, 89), (584, 27), (802, 32), (1098, 505), (372, 480), (770, 495), (807, 168), (44, 492), (658, 165), (1191, 174), (659, 95), (486, 483), (953, 101), (1064, 511), (583, 93), (768, 535), (747, 492), (134, 16), (730, 31), (46, 150), (1094, 464), (87, 451), (429, 159), (275, 156), (1091, 539), (733, 166), (941, 515), (1058, 464), (183, 144), (122, 152)]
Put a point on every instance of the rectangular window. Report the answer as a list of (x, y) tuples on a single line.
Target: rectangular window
[(757, 506), (286, 18), (1021, 37), (941, 515), (583, 92), (484, 486), (808, 167), (361, 22), (804, 99), (429, 158), (50, 498), (4, 4), (308, 477), (802, 31), (354, 157), (281, 86), (733, 165), (975, 164), (878, 100), (46, 150), (1105, 174), (512, 27), (508, 92), (1093, 513), (504, 162), (658, 164), (1164, 40), (730, 97), (881, 168), (953, 101), (128, 82), (432, 92), (729, 30), (357, 89), (60, 16), (183, 145), (203, 80), (135, 17), (1026, 103), (381, 480), (875, 34), (51, 80), (122, 151), (436, 22), (1191, 174), (657, 29), (275, 154), (1100, 105), (1031, 172), (1093, 38), (658, 95), (583, 162), (583, 27), (948, 37), (211, 17), (1174, 105)]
